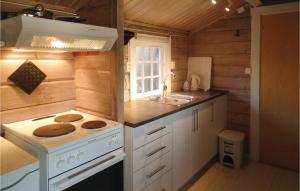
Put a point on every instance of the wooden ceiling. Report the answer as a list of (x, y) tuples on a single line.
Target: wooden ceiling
[(183, 15), (187, 15)]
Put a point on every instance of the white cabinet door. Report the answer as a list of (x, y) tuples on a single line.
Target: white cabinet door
[(182, 129), (212, 118), (202, 146)]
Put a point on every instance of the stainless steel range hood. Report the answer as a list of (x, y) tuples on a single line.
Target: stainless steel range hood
[(32, 33)]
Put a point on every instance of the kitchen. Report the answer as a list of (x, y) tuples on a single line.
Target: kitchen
[(134, 95)]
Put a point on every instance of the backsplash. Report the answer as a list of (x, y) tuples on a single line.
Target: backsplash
[(55, 94)]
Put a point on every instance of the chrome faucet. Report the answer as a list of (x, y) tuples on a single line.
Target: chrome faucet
[(165, 87)]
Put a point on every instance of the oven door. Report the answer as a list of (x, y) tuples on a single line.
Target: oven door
[(104, 173)]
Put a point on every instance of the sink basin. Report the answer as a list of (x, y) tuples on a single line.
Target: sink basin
[(175, 101), (171, 99)]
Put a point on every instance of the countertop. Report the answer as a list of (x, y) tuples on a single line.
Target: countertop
[(15, 159), (140, 112)]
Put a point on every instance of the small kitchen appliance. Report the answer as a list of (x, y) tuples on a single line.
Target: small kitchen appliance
[(74, 148), (195, 82)]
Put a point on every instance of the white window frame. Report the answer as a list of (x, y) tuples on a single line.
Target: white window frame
[(164, 44)]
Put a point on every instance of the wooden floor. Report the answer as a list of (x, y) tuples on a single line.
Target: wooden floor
[(252, 177)]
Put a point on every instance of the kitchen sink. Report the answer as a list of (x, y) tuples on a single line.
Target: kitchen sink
[(172, 99)]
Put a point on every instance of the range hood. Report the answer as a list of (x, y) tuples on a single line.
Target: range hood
[(32, 33)]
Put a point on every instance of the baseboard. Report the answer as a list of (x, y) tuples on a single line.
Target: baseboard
[(200, 173)]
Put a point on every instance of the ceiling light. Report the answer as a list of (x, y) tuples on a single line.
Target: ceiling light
[(214, 2), (228, 6)]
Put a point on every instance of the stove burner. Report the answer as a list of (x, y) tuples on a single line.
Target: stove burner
[(68, 118), (54, 130), (93, 125)]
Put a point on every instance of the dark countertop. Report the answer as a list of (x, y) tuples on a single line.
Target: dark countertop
[(140, 112)]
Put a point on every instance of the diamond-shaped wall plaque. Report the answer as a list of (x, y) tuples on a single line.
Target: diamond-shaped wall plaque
[(27, 77)]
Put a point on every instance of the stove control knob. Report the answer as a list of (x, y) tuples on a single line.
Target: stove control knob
[(60, 164), (80, 155), (71, 159)]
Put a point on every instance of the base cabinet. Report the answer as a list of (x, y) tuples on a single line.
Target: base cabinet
[(195, 138), (202, 136), (165, 154), (148, 161), (182, 126), (162, 184)]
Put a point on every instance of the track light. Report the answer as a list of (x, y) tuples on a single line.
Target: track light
[(214, 2), (228, 6)]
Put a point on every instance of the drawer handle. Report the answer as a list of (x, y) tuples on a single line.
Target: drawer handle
[(156, 130), (163, 189), (156, 171), (155, 151)]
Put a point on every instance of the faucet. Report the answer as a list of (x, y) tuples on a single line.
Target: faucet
[(165, 87)]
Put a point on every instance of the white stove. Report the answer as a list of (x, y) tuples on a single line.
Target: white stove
[(69, 158)]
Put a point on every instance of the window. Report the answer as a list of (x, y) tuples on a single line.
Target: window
[(147, 69), (148, 60)]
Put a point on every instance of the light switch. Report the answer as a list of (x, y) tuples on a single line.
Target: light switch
[(248, 70)]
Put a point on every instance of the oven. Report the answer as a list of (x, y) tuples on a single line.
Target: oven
[(104, 173)]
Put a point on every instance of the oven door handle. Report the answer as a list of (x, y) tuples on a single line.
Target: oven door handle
[(89, 171)]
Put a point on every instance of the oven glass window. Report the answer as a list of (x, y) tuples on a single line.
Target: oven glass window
[(110, 179)]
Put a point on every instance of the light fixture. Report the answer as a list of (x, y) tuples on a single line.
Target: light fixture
[(214, 2), (228, 6), (50, 51)]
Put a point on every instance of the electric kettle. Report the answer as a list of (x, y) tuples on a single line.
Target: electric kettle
[(195, 83)]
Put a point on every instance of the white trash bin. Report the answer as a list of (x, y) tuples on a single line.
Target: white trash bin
[(231, 145)]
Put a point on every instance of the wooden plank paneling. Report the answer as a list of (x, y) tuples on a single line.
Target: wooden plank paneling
[(179, 55), (99, 77), (93, 62), (55, 94), (36, 111), (221, 49), (94, 83), (54, 69), (231, 56), (95, 80), (231, 83), (186, 15), (240, 23), (49, 92), (16, 55), (93, 101)]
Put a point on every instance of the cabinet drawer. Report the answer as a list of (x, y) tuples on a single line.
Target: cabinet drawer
[(151, 172), (151, 151), (162, 184), (149, 132)]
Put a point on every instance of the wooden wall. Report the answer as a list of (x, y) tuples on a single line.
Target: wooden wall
[(55, 94), (94, 80), (99, 77), (231, 55), (179, 56)]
